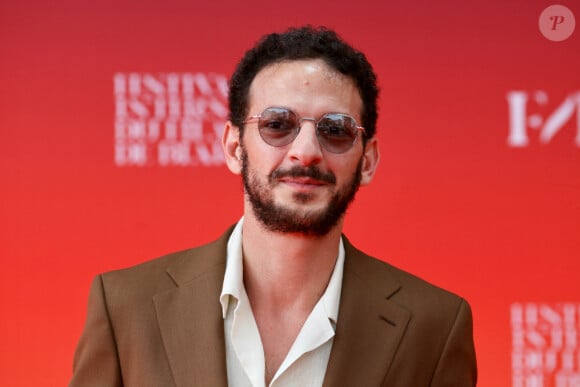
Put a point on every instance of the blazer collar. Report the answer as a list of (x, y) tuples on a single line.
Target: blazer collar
[(190, 318), (368, 331), (369, 327)]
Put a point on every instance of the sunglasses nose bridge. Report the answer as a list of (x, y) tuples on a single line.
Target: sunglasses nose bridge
[(301, 122), (302, 119)]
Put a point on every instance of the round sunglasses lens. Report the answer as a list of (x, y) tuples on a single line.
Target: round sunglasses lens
[(337, 132), (277, 126)]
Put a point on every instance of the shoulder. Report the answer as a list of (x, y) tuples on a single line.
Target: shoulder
[(436, 325), (415, 294), (166, 272)]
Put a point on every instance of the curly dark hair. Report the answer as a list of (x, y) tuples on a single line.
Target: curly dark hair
[(304, 43)]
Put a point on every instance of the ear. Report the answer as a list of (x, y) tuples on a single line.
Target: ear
[(232, 146), (370, 160)]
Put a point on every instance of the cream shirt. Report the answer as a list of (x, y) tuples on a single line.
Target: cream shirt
[(305, 364)]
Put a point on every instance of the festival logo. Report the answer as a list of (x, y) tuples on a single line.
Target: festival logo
[(545, 350), (169, 119), (529, 117)]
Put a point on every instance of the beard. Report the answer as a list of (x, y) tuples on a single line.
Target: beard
[(278, 218)]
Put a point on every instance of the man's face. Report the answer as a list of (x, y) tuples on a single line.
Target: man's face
[(300, 187)]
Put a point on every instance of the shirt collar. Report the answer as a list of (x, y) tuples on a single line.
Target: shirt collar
[(234, 276), (331, 296)]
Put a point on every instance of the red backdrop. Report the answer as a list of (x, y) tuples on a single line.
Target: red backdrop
[(461, 198)]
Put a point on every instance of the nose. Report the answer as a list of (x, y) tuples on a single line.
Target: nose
[(305, 148)]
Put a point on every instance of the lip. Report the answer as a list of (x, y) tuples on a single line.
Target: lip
[(302, 182)]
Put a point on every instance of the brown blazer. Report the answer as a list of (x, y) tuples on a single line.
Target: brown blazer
[(160, 324)]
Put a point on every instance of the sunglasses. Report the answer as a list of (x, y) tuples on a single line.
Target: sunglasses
[(278, 126)]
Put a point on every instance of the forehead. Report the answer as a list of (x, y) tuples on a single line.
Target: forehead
[(309, 86)]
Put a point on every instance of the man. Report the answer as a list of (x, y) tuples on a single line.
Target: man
[(282, 298)]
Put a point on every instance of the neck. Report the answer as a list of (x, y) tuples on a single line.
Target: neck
[(284, 270)]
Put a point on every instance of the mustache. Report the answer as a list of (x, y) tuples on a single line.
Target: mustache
[(312, 172)]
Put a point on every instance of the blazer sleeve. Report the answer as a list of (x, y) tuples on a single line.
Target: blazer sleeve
[(457, 363), (96, 361)]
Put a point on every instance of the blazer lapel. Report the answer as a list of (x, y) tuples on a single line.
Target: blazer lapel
[(190, 317), (368, 330), (369, 326)]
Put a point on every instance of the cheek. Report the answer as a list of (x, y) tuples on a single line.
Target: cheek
[(345, 168), (262, 158)]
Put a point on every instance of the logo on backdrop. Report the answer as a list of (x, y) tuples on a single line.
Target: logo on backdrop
[(557, 23), (545, 344), (169, 119), (528, 119)]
